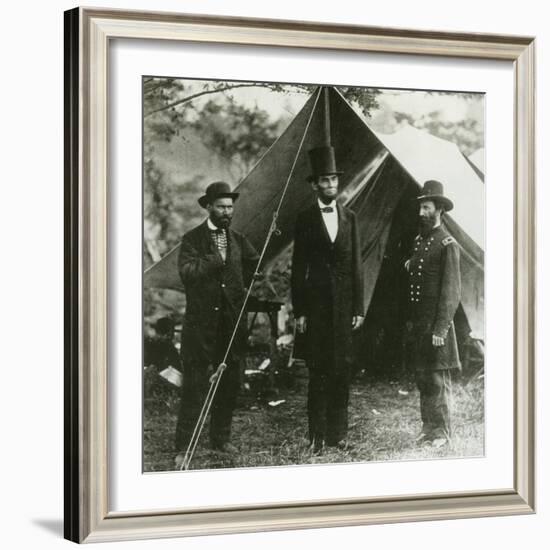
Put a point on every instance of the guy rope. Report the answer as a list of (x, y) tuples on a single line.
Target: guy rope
[(216, 377)]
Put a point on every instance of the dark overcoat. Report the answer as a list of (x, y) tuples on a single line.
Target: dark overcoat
[(212, 288), (327, 282), (433, 297)]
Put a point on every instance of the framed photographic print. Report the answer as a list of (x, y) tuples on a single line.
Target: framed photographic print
[(299, 275)]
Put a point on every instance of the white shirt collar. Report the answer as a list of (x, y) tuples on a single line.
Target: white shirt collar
[(211, 226), (323, 205)]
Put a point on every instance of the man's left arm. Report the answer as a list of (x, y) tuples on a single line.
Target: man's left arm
[(449, 297), (358, 286), (250, 259)]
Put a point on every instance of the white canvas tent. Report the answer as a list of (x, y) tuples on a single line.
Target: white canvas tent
[(478, 159)]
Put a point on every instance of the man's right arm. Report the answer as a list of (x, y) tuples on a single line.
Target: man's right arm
[(449, 298), (192, 265), (299, 271)]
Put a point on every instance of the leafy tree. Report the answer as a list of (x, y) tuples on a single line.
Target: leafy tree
[(364, 98), (240, 135), (167, 210)]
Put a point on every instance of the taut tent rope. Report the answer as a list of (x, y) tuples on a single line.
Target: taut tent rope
[(216, 377)]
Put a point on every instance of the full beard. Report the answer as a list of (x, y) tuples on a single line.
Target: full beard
[(425, 226), (222, 222)]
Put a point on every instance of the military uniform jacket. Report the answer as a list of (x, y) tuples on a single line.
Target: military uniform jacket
[(327, 281), (212, 288), (434, 296)]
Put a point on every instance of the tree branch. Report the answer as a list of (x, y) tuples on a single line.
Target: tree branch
[(152, 87), (205, 92)]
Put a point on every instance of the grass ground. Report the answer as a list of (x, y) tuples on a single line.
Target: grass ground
[(383, 417)]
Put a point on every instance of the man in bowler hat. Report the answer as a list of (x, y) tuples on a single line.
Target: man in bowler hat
[(215, 264), (327, 297), (433, 297)]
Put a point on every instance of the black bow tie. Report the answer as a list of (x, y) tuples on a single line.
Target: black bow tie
[(327, 209), (218, 231)]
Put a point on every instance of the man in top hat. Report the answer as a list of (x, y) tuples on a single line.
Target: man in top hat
[(433, 297), (327, 297), (215, 264)]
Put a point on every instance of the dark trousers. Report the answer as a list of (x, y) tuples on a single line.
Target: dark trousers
[(328, 392), (196, 382), (435, 402), (327, 405)]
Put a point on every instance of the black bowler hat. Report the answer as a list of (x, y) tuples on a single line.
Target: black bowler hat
[(322, 162), (433, 190), (217, 190)]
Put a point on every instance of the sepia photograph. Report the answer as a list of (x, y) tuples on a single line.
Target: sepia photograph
[(313, 274)]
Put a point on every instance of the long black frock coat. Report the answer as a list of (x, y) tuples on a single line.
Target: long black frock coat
[(327, 284)]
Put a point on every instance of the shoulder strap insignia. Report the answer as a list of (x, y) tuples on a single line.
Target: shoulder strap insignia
[(448, 240)]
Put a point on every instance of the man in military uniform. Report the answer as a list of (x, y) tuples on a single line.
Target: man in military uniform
[(215, 264), (327, 298), (434, 295)]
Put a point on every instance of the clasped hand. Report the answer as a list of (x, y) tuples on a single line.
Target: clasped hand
[(438, 341)]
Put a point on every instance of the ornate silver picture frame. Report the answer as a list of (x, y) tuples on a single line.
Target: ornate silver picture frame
[(88, 36)]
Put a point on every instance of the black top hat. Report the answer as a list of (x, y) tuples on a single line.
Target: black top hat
[(322, 162), (217, 190), (433, 190)]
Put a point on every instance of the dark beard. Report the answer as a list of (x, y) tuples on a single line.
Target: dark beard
[(425, 226), (222, 222)]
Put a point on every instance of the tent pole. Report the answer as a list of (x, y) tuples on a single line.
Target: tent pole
[(326, 134)]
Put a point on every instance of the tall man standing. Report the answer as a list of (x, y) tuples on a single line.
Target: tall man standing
[(434, 295), (215, 264), (327, 297)]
